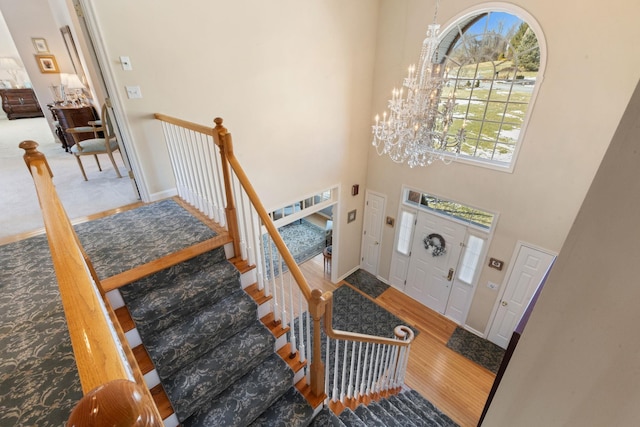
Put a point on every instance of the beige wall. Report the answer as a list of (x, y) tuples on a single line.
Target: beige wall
[(291, 79), (589, 78), (577, 361)]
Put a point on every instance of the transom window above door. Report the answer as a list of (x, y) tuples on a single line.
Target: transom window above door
[(475, 217)]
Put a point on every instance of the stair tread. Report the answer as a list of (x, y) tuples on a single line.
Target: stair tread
[(257, 294), (161, 400), (368, 417), (290, 410), (276, 327), (247, 398), (183, 342), (415, 417), (160, 300), (294, 362), (326, 418), (425, 405), (350, 419), (191, 387), (396, 413), (142, 358), (383, 415)]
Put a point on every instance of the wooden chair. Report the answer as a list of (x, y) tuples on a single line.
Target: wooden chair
[(96, 145)]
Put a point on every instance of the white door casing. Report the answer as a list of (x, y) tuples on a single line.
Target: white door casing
[(528, 269), (372, 232), (430, 278)]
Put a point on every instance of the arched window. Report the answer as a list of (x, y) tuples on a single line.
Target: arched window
[(493, 65)]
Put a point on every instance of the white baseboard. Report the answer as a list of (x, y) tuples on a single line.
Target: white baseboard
[(348, 273), (163, 195)]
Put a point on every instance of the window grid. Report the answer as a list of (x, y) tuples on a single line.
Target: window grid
[(490, 85)]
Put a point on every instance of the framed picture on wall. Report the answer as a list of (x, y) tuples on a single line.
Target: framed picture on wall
[(47, 63), (40, 44)]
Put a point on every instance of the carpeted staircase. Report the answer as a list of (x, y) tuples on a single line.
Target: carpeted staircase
[(217, 361), (406, 409)]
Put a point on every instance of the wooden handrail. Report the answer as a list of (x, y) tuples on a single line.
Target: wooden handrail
[(404, 333), (223, 139), (320, 305), (97, 350)]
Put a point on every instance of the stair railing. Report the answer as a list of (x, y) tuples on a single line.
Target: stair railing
[(200, 171), (112, 384)]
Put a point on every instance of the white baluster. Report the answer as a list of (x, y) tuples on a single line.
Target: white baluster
[(272, 279), (351, 370), (335, 371), (308, 330), (393, 366), (303, 348), (363, 384), (376, 369), (283, 297), (343, 376), (294, 344), (371, 367), (356, 392), (327, 362), (379, 368)]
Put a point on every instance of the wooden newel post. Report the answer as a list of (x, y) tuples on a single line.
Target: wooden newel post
[(116, 403), (316, 309), (225, 145), (31, 154)]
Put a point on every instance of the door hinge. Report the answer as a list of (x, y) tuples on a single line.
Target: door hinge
[(131, 174), (362, 259), (364, 233), (78, 9)]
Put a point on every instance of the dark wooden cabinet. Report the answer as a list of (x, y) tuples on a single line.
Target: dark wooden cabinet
[(20, 103), (71, 117)]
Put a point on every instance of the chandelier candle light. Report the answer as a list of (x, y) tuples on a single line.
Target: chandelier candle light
[(418, 129)]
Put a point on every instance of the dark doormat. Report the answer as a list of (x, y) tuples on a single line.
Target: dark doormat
[(367, 283), (478, 350)]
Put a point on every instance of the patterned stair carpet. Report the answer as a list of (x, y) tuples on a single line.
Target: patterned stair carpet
[(215, 359), (406, 409), (39, 383), (478, 350)]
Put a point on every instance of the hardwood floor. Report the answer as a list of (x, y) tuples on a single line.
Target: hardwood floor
[(453, 383)]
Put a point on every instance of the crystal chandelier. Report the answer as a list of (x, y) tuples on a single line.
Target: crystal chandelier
[(417, 129)]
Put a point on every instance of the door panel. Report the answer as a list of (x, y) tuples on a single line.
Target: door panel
[(429, 281), (528, 270), (372, 230)]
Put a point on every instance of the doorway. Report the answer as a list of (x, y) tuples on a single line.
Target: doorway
[(102, 192), (435, 254), (372, 232), (526, 273)]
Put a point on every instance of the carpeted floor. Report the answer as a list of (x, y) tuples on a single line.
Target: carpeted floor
[(38, 376), (20, 209), (481, 351), (39, 383), (355, 313), (367, 283), (143, 234), (303, 239)]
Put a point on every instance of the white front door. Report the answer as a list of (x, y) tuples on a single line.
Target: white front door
[(372, 232), (528, 269), (430, 277)]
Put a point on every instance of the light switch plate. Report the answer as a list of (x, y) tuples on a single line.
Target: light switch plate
[(133, 92)]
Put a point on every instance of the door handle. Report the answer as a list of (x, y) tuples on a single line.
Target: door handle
[(504, 303), (377, 243), (450, 275)]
